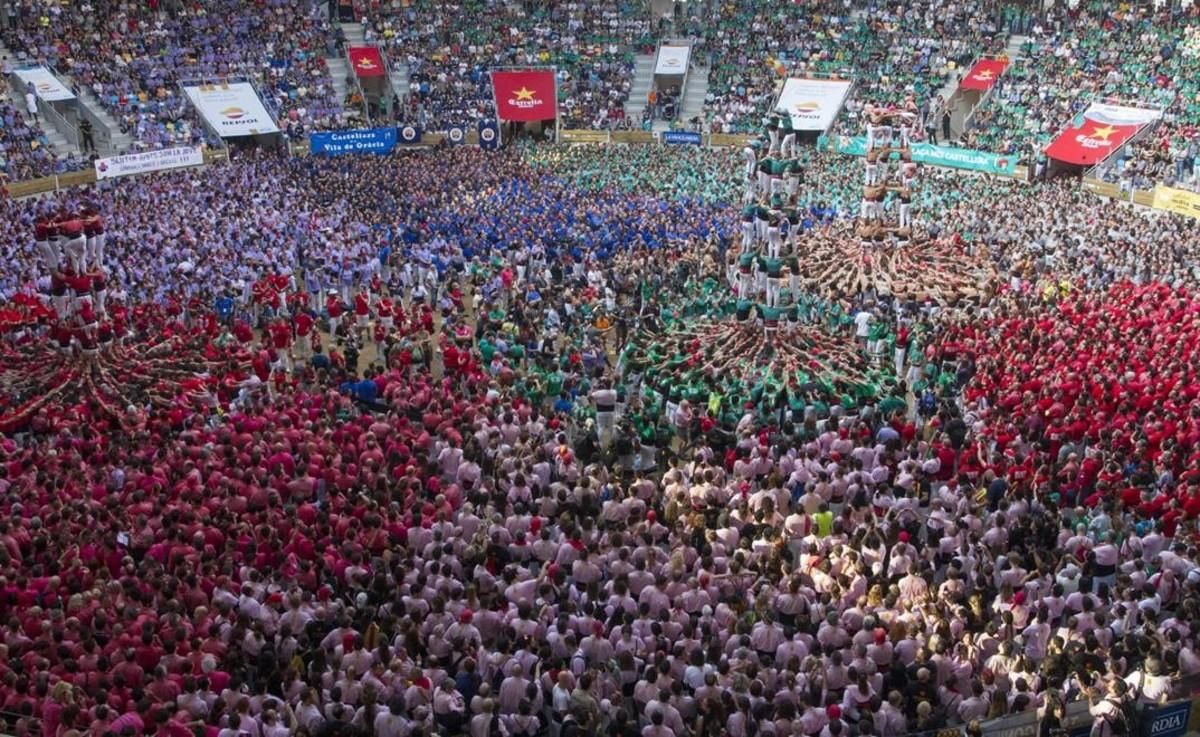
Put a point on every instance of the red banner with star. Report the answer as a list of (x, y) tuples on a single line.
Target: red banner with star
[(984, 74), (525, 96), (1099, 132), (366, 61)]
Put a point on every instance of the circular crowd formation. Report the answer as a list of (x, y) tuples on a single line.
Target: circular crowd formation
[(622, 440)]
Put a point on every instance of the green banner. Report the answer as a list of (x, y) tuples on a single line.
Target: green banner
[(927, 153)]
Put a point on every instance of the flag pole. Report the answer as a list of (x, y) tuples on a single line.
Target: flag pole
[(557, 115), (496, 110)]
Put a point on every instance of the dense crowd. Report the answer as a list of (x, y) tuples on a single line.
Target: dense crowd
[(591, 45), (133, 57), (25, 152), (1074, 55), (628, 440)]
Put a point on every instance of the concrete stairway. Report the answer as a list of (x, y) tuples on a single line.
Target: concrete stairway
[(693, 96), (401, 85), (118, 142), (59, 143), (338, 70), (961, 108), (355, 35), (643, 81)]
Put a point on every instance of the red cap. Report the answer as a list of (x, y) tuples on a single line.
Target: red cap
[(833, 711), (903, 537), (466, 615), (651, 516)]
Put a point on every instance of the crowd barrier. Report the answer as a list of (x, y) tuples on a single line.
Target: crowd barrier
[(1167, 199), (1172, 719), (950, 157), (578, 135), (66, 180), (600, 136)]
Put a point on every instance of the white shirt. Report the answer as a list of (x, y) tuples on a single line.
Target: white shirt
[(862, 324)]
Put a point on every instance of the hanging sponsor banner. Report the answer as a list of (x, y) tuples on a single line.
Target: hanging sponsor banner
[(365, 141), (730, 139), (148, 161), (525, 96), (1178, 201), (632, 137), (489, 134), (1099, 132), (672, 59), (927, 153), (232, 109), (410, 135), (45, 85), (583, 136), (456, 135), (812, 104), (1104, 189), (1076, 720), (984, 74), (366, 61), (682, 138)]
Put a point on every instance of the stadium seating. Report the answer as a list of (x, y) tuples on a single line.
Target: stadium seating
[(590, 44), (133, 57)]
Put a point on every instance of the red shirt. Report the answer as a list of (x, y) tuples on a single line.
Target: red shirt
[(304, 323)]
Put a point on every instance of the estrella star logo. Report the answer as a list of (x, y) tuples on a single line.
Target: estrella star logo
[(524, 98)]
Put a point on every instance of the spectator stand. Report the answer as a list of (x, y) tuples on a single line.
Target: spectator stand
[(1113, 167), (360, 99), (672, 62), (813, 94), (216, 138), (965, 101), (28, 148), (55, 101), (373, 80)]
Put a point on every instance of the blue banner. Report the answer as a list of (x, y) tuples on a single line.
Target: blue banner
[(489, 134), (1169, 720), (366, 141), (456, 135), (682, 138), (410, 135)]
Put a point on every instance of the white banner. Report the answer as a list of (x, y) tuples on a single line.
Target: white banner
[(812, 103), (1121, 115), (45, 85), (148, 161), (232, 110), (672, 60)]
